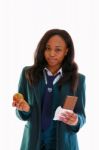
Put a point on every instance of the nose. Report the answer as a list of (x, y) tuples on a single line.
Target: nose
[(52, 53)]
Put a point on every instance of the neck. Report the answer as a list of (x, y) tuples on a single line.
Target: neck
[(54, 69)]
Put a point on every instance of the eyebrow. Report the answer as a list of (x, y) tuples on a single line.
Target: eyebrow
[(58, 46)]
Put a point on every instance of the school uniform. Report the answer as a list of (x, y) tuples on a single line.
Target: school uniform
[(48, 133), (56, 135)]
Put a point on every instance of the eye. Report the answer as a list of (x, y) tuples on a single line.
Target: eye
[(57, 49), (47, 48)]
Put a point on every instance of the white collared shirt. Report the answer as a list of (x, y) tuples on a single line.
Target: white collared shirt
[(50, 74)]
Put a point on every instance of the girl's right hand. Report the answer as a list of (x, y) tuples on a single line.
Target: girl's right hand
[(20, 103)]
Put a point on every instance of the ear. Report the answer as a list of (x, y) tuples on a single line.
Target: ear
[(66, 51)]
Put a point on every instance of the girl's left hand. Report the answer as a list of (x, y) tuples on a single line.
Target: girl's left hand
[(69, 117)]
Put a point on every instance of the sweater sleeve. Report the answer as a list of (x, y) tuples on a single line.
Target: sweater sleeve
[(22, 88), (80, 106)]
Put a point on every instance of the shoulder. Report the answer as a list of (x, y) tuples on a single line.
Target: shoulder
[(81, 76), (25, 70), (81, 80)]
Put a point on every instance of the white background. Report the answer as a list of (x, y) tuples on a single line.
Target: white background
[(22, 24)]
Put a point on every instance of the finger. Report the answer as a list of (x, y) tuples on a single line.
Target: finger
[(24, 107), (73, 116), (63, 119), (15, 100), (68, 121), (69, 113), (72, 120), (13, 103), (17, 97), (19, 104)]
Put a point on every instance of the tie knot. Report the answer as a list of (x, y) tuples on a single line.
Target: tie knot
[(50, 79)]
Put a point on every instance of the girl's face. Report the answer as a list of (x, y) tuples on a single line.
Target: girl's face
[(55, 51)]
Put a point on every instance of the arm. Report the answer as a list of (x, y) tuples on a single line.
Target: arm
[(74, 120), (80, 106), (22, 88)]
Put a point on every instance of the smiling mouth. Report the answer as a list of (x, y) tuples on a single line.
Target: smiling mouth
[(51, 59)]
